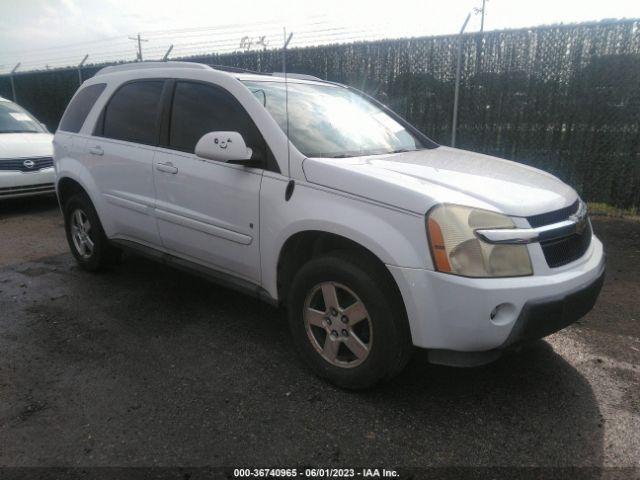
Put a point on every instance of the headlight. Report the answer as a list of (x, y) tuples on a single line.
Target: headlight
[(456, 248)]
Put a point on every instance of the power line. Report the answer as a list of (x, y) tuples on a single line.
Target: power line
[(314, 20), (222, 45), (482, 12), (54, 47), (198, 41), (150, 33)]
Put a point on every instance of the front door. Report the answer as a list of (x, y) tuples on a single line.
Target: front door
[(208, 211)]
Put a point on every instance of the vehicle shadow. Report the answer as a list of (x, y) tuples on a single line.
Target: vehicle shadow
[(529, 408), (27, 205), (166, 353)]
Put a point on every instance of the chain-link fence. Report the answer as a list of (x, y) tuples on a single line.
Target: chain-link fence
[(563, 98)]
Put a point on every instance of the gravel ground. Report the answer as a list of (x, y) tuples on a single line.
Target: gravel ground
[(147, 366)]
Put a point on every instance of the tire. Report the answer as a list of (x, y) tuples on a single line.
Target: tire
[(89, 244), (385, 337)]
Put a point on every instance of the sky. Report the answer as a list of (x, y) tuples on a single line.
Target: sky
[(53, 33)]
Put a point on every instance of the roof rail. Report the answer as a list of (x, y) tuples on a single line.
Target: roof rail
[(124, 67), (299, 76), (150, 65), (226, 68)]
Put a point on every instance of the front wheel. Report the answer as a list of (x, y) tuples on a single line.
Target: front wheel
[(348, 321)]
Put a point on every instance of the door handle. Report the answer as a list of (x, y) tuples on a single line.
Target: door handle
[(97, 150), (166, 168)]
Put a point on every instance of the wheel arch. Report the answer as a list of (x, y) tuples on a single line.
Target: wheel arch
[(66, 187), (73, 177), (306, 245)]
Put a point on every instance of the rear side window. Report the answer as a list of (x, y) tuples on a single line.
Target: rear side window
[(199, 109), (77, 111), (132, 114)]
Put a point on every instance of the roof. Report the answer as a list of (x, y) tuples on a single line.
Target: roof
[(239, 73)]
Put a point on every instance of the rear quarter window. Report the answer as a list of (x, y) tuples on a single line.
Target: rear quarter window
[(77, 111)]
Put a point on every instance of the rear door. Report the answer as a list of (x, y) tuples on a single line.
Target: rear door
[(208, 211), (122, 148)]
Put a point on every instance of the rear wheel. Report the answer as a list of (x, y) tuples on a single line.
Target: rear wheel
[(87, 240), (347, 320)]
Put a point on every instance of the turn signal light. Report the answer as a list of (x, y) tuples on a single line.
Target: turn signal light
[(438, 249)]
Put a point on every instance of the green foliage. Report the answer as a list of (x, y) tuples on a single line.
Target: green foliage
[(562, 98), (604, 209)]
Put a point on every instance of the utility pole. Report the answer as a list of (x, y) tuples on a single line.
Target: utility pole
[(13, 85), (139, 40), (456, 93), (80, 68)]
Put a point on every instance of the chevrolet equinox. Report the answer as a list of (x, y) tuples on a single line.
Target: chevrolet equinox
[(312, 195)]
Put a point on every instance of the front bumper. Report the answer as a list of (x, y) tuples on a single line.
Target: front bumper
[(20, 184), (452, 313), (543, 317)]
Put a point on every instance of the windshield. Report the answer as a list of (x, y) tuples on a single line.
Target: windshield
[(14, 119), (332, 121)]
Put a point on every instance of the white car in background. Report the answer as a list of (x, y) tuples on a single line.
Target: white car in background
[(26, 153)]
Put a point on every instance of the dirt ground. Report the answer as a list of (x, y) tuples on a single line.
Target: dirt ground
[(147, 366)]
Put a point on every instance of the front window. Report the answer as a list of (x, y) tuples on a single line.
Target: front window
[(199, 109), (14, 119), (332, 121)]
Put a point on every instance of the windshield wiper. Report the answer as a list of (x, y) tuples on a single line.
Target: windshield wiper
[(18, 131), (403, 150), (363, 154)]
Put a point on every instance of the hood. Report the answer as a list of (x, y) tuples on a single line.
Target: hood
[(22, 145), (417, 180)]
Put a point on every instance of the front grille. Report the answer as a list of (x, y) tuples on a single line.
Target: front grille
[(553, 217), (33, 164), (561, 251), (34, 189)]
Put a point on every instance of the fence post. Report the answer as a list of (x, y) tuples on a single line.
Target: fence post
[(454, 124), (166, 55), (80, 68), (13, 85)]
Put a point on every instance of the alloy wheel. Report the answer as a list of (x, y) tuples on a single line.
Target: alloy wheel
[(80, 228), (338, 324)]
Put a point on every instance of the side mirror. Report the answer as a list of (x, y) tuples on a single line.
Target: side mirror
[(223, 147)]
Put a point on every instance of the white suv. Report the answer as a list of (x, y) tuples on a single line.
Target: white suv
[(374, 237)]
